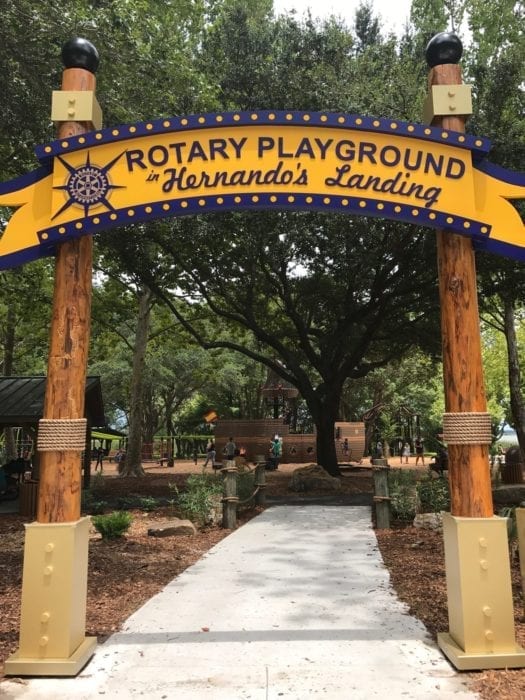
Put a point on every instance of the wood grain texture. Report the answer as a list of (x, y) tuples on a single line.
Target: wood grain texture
[(469, 474), (60, 472)]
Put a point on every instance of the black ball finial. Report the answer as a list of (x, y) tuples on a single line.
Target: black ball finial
[(80, 53), (445, 47)]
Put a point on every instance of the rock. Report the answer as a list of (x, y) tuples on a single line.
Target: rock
[(429, 521), (508, 495), (174, 527), (311, 478)]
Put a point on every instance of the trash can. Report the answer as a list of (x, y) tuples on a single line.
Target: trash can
[(512, 470), (28, 498)]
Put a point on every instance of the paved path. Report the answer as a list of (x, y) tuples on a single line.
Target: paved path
[(294, 605)]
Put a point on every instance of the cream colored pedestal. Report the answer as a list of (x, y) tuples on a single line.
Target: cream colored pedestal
[(480, 610), (54, 590)]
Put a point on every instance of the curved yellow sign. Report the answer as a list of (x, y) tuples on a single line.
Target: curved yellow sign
[(289, 160)]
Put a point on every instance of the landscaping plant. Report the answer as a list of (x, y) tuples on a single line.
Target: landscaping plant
[(112, 525)]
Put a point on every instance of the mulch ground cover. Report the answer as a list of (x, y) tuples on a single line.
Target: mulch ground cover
[(125, 573)]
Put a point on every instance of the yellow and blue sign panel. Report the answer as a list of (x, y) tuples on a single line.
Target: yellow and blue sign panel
[(258, 160)]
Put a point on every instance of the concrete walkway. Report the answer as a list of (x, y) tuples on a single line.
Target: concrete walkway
[(294, 605)]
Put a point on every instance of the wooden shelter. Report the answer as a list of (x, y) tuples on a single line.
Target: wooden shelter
[(22, 405)]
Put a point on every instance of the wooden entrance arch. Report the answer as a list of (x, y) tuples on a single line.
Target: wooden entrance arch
[(93, 179)]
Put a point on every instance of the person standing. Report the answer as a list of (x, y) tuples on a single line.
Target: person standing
[(405, 452), (210, 454), (100, 459), (419, 451), (229, 449), (275, 453)]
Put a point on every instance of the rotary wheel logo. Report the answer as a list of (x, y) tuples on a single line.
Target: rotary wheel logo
[(87, 186)]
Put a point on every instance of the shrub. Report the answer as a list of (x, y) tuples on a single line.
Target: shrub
[(433, 495), (148, 503), (509, 512), (196, 501), (128, 502), (403, 495), (92, 505), (97, 482), (112, 525), (245, 485)]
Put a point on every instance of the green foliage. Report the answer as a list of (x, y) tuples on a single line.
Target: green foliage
[(112, 525), (403, 493), (148, 503), (512, 523), (195, 502), (97, 482), (92, 505), (433, 495), (245, 485)]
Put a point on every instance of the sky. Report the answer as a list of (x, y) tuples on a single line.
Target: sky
[(394, 13)]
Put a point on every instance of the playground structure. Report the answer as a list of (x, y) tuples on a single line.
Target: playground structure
[(254, 436)]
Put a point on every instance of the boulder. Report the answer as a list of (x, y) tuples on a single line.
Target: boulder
[(171, 528), (508, 495), (313, 478), (429, 521)]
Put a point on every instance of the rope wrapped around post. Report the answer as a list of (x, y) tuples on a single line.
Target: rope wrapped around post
[(61, 434), (467, 428)]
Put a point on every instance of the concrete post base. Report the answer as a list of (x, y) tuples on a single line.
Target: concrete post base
[(54, 591), (480, 609)]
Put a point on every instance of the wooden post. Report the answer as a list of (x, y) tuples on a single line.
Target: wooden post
[(480, 608), (229, 512), (54, 585), (260, 483), (469, 472), (381, 496), (60, 471)]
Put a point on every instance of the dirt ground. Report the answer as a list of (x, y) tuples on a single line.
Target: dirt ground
[(125, 573)]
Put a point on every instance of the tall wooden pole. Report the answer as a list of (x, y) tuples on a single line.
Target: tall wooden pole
[(469, 474), (54, 583), (60, 470)]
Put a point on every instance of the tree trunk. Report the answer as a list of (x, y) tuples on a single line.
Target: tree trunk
[(516, 400), (133, 464), (325, 440)]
